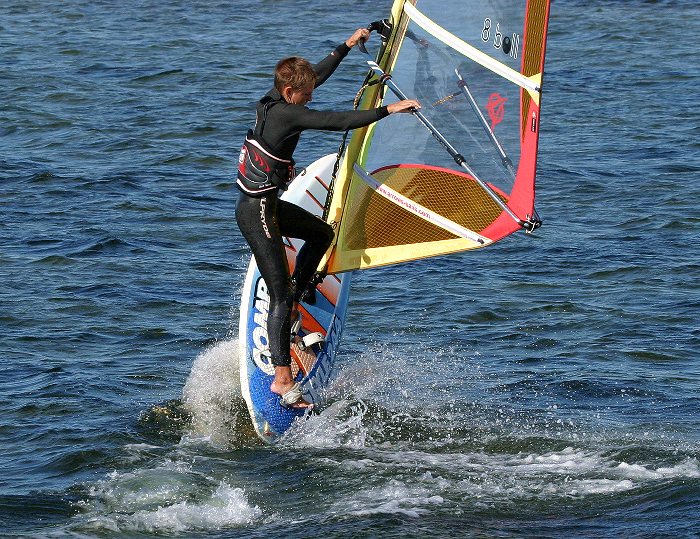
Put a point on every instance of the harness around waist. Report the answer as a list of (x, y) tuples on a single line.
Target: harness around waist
[(259, 171)]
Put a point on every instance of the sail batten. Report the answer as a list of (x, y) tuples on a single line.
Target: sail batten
[(399, 195)]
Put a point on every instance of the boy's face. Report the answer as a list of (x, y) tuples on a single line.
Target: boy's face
[(298, 97)]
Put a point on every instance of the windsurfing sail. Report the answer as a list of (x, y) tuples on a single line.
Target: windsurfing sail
[(460, 173)]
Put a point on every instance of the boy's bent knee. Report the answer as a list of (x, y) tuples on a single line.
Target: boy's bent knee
[(329, 234)]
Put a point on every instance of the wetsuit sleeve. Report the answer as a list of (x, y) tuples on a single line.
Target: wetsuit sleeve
[(306, 118), (326, 67)]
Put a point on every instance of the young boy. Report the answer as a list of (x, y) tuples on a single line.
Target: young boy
[(266, 167)]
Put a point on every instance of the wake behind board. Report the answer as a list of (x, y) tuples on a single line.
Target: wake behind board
[(270, 419)]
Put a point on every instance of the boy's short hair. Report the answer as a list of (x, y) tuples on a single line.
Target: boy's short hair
[(295, 72)]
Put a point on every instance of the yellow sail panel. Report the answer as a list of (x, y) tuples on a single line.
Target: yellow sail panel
[(360, 259), (451, 194), (414, 207), (377, 231)]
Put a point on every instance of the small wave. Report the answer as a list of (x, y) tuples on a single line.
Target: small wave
[(54, 260), (486, 316), (106, 245), (193, 132), (67, 98), (157, 76), (43, 177), (134, 206), (103, 68), (213, 161), (680, 168), (652, 356), (688, 223), (8, 130), (210, 266)]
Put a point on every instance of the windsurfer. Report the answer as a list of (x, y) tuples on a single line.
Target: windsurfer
[(265, 168)]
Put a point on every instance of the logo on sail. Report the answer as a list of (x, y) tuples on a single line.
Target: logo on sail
[(496, 109)]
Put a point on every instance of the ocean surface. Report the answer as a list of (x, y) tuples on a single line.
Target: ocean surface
[(545, 387)]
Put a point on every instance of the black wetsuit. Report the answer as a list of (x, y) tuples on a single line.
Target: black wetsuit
[(265, 219)]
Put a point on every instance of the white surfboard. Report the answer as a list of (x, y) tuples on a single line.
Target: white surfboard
[(308, 190)]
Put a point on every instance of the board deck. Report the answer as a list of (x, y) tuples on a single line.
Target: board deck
[(270, 419)]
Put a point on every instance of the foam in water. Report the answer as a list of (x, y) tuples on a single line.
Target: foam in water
[(227, 506), (358, 416), (138, 501), (163, 492), (489, 480), (169, 495), (380, 474), (396, 497)]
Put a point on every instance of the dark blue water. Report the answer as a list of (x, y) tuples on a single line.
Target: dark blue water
[(545, 387)]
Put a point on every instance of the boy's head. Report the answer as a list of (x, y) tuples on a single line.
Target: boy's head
[(294, 75)]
